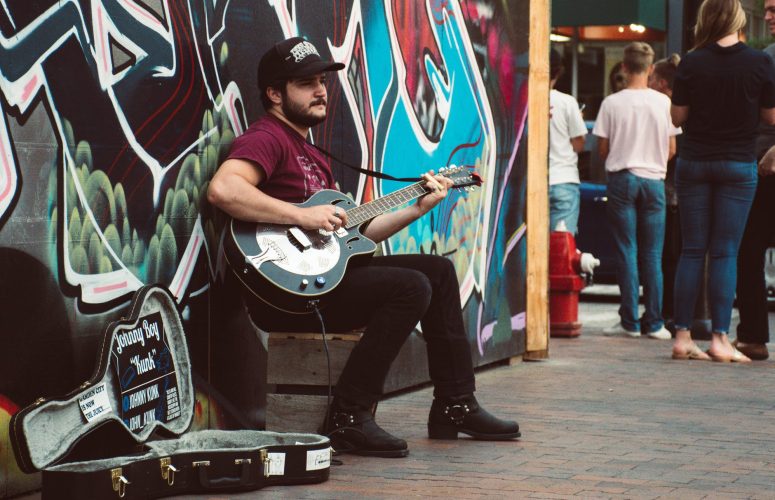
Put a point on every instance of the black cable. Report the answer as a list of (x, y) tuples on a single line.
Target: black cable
[(314, 306)]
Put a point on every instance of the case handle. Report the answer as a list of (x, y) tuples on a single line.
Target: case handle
[(119, 481), (219, 483)]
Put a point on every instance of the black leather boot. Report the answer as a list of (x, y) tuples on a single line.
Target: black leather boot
[(352, 429), (452, 415)]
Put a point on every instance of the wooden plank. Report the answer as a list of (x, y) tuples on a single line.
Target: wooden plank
[(294, 412), (537, 179), (302, 361), (316, 336)]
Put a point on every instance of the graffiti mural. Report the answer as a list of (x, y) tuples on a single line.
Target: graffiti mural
[(116, 113)]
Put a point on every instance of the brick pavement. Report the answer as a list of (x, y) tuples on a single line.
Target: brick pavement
[(602, 418)]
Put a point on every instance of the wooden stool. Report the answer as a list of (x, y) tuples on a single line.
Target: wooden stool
[(297, 377)]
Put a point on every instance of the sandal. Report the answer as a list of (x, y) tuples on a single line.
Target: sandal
[(693, 353), (737, 357)]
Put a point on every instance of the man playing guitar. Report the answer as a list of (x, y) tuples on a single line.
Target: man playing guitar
[(269, 169)]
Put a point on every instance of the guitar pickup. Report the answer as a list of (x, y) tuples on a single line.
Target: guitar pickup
[(298, 238)]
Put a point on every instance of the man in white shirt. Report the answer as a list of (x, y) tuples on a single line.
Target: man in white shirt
[(636, 138), (566, 140)]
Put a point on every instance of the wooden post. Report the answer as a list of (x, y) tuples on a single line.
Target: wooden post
[(537, 183)]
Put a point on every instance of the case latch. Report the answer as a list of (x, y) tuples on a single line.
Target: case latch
[(119, 482), (167, 470), (265, 461)]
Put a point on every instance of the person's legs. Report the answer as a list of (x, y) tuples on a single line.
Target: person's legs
[(454, 409), (670, 255), (389, 301), (732, 197), (651, 239), (694, 188), (564, 203), (751, 287), (449, 350), (390, 295), (694, 200), (622, 195)]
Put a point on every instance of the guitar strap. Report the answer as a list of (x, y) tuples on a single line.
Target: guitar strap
[(370, 173)]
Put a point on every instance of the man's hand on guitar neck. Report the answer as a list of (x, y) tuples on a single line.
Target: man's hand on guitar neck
[(438, 186), (387, 224), (325, 217)]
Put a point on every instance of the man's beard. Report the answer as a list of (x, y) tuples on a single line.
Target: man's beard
[(300, 115)]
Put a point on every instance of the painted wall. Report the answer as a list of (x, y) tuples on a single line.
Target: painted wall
[(116, 113)]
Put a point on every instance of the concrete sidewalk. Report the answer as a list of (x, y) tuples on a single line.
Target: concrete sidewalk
[(602, 418)]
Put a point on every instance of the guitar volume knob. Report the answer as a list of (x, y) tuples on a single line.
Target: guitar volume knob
[(320, 282)]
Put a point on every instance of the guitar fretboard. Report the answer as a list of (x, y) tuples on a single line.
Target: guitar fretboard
[(358, 215)]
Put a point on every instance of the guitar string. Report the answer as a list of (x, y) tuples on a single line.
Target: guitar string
[(367, 211), (362, 213)]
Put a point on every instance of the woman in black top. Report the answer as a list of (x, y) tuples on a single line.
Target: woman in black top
[(721, 91)]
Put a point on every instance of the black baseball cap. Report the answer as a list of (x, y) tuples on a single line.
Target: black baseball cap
[(292, 58)]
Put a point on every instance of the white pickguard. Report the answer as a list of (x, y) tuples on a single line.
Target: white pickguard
[(320, 257)]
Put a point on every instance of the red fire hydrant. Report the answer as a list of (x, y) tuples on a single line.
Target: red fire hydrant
[(566, 264)]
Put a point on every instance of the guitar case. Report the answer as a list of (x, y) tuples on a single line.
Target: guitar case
[(123, 433)]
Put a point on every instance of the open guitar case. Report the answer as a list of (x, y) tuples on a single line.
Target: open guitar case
[(134, 413)]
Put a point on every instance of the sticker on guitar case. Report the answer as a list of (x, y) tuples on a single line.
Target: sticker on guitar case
[(276, 464), (318, 459), (95, 403), (147, 379)]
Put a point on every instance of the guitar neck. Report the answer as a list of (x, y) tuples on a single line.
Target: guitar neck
[(358, 215)]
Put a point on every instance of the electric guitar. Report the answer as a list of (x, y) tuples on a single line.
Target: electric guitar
[(292, 269)]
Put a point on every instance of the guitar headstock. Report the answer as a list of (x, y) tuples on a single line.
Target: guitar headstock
[(462, 177)]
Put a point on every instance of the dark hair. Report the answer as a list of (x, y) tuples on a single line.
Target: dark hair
[(556, 67), (665, 69), (265, 101), (617, 80)]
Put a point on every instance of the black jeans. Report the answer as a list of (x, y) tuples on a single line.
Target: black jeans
[(751, 289), (670, 255), (389, 295)]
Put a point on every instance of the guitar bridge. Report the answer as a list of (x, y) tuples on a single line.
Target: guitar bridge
[(272, 252)]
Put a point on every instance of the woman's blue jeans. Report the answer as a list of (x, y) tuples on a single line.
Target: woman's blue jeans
[(714, 198), (636, 212)]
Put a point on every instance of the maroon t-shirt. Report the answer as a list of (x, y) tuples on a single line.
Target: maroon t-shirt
[(294, 169)]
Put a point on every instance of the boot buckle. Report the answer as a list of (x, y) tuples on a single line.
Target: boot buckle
[(343, 419), (457, 412)]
